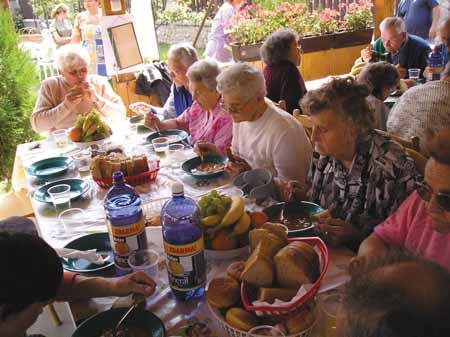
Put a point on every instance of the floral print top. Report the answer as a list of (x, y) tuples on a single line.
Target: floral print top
[(382, 175), (216, 128)]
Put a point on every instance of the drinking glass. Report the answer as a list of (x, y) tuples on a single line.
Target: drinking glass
[(161, 145), (82, 160), (265, 330), (329, 304), (60, 138), (72, 220), (414, 74), (145, 260), (60, 196), (176, 155)]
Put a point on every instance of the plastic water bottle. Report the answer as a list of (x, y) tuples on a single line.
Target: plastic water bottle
[(125, 222), (184, 245), (435, 66)]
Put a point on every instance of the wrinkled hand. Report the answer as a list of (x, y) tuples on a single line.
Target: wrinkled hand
[(138, 282), (151, 121), (337, 232), (410, 83), (366, 54), (237, 166), (402, 72), (74, 96), (204, 149), (289, 190), (89, 92)]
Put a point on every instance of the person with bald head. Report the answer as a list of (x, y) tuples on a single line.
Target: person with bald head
[(421, 225), (377, 301)]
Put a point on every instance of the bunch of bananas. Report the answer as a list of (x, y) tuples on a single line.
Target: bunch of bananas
[(89, 127)]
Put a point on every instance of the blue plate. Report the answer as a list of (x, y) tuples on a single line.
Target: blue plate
[(190, 165), (178, 136), (148, 323), (99, 241), (78, 187), (49, 168)]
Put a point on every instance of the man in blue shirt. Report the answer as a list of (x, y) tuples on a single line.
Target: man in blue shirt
[(421, 17)]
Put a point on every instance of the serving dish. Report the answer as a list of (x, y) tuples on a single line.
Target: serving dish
[(49, 168), (174, 135), (190, 166), (78, 188)]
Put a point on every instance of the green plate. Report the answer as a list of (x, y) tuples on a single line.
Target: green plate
[(49, 168), (139, 318), (99, 241), (193, 163), (78, 187), (182, 135)]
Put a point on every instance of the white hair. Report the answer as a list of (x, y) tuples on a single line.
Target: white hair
[(70, 57), (205, 71), (183, 53), (395, 22), (242, 80)]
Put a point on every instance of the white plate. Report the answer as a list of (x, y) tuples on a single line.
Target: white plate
[(85, 145), (227, 254)]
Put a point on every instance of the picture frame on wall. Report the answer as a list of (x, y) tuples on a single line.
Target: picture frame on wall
[(125, 45)]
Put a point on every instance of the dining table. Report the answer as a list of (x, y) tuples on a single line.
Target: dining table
[(175, 315)]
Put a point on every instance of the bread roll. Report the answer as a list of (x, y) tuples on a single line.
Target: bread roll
[(295, 265), (270, 294), (240, 319), (223, 292), (235, 270), (277, 229), (325, 214), (258, 268), (130, 167), (272, 243), (95, 168)]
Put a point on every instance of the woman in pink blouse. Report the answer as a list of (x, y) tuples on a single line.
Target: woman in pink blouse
[(204, 120)]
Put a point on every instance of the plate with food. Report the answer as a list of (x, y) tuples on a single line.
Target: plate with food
[(78, 188), (49, 168), (89, 129), (140, 323), (205, 168), (300, 217), (98, 241), (174, 135)]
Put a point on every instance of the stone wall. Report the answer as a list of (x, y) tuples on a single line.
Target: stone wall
[(175, 33)]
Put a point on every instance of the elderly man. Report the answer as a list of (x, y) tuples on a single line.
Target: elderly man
[(397, 296), (422, 110), (421, 225), (421, 17), (63, 98), (398, 47)]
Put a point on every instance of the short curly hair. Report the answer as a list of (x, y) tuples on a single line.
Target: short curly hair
[(344, 96), (378, 76), (277, 46)]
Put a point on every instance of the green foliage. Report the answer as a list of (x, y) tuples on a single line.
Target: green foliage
[(272, 4), (180, 14), (43, 8), (18, 86)]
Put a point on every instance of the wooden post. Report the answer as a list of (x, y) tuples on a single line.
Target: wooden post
[(383, 9), (5, 4)]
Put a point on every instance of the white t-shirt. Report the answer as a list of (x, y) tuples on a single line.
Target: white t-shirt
[(276, 141)]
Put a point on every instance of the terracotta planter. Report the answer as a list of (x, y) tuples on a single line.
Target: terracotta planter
[(247, 53)]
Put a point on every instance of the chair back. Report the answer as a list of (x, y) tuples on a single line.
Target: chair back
[(419, 159), (413, 143), (305, 121)]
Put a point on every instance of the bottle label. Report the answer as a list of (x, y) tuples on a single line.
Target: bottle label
[(125, 239), (186, 265)]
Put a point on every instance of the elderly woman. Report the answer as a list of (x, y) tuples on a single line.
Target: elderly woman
[(63, 98), (204, 120), (282, 55), (61, 28), (383, 79), (360, 176), (264, 136)]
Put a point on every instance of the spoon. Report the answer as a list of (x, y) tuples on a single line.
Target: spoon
[(124, 317)]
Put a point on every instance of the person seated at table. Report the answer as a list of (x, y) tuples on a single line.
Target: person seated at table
[(382, 79), (421, 225), (63, 98), (282, 55), (443, 42), (396, 46), (422, 110), (204, 120), (33, 277), (396, 296), (61, 28), (264, 136), (357, 174)]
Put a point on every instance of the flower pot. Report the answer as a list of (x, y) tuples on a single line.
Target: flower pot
[(246, 53), (314, 43), (348, 39)]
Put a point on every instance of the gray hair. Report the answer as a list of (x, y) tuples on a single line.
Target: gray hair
[(277, 46), (243, 80), (70, 56), (446, 71), (183, 53), (395, 22), (205, 71)]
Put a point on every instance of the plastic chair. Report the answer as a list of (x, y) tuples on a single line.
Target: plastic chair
[(15, 204)]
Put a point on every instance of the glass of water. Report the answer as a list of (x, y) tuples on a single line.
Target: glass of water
[(265, 330), (175, 155), (60, 138), (414, 74), (60, 196)]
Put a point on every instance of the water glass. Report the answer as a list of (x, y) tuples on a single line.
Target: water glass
[(161, 145), (60, 196), (265, 330), (414, 74), (329, 304), (145, 260), (82, 160), (176, 155), (72, 220), (60, 138)]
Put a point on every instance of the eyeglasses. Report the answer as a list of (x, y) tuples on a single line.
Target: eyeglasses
[(233, 108), (78, 72), (426, 192)]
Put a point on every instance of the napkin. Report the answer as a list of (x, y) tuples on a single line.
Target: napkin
[(89, 255)]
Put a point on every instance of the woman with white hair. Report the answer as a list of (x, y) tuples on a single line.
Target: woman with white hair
[(264, 136), (204, 120), (64, 97)]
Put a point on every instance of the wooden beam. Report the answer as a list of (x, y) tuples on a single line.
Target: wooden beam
[(383, 9)]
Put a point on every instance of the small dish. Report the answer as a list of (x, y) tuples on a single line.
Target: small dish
[(78, 188), (49, 168), (190, 166)]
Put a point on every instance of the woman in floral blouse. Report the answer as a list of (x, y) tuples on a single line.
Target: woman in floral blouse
[(360, 176), (204, 120)]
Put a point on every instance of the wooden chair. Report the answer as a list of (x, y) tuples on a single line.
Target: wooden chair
[(413, 143), (419, 159), (305, 121)]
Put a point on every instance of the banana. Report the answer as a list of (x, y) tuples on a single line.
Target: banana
[(211, 220), (234, 213), (90, 130), (242, 225)]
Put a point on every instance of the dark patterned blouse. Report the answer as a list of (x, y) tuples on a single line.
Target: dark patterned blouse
[(382, 175)]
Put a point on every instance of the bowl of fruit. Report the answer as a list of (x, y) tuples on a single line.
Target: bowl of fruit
[(225, 225), (89, 129)]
